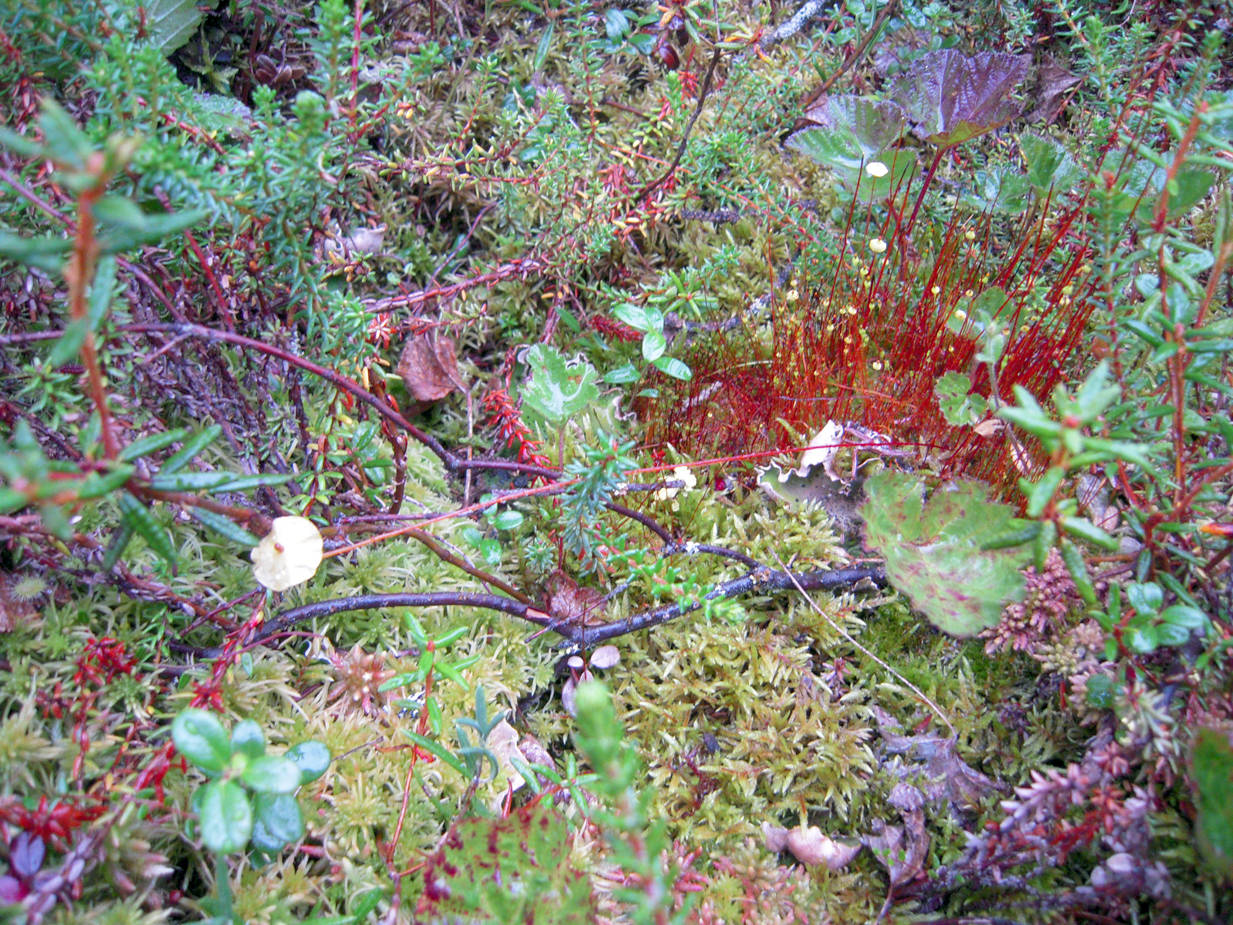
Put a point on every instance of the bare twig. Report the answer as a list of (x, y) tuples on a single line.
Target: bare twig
[(703, 92)]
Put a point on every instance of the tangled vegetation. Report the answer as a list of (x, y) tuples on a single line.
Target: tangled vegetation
[(564, 461)]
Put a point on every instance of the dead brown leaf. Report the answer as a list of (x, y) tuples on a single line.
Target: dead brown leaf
[(570, 602), (429, 367), (901, 849), (947, 776), (1052, 83)]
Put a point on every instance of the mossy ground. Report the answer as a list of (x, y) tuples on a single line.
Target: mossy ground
[(523, 162)]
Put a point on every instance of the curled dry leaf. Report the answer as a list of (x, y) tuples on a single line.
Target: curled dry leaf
[(429, 367), (503, 743), (810, 846), (901, 849)]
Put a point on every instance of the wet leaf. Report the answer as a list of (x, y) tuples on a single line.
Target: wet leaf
[(950, 97)]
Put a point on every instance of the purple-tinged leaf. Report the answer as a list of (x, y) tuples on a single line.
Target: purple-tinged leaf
[(951, 97)]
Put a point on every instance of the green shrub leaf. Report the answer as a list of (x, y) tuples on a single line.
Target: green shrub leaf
[(272, 774), (311, 758), (200, 737), (276, 821), (226, 817)]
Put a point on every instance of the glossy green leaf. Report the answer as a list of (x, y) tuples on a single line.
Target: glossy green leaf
[(248, 739), (192, 446), (226, 816), (1142, 639), (1170, 634), (311, 758), (507, 519), (200, 737), (436, 748), (671, 366), (1084, 529), (277, 821), (98, 484), (633, 315), (214, 481), (171, 23), (1044, 490), (653, 345), (1186, 616), (1144, 597), (224, 526), (138, 516), (1077, 568), (623, 375), (119, 541), (151, 444), (272, 774)]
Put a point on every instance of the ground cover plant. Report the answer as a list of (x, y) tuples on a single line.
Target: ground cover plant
[(582, 461)]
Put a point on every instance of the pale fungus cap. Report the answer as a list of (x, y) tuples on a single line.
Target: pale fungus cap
[(289, 554), (876, 169), (680, 474)]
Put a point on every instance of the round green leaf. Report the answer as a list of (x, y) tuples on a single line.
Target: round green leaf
[(200, 738), (653, 345), (1099, 691), (623, 375), (632, 315), (226, 817), (248, 739), (312, 758), (1142, 639), (272, 774), (1170, 634), (277, 821)]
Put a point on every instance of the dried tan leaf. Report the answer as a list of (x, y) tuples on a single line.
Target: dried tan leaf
[(811, 847), (776, 838), (429, 367)]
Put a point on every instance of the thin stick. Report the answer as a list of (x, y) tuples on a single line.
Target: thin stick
[(848, 636)]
